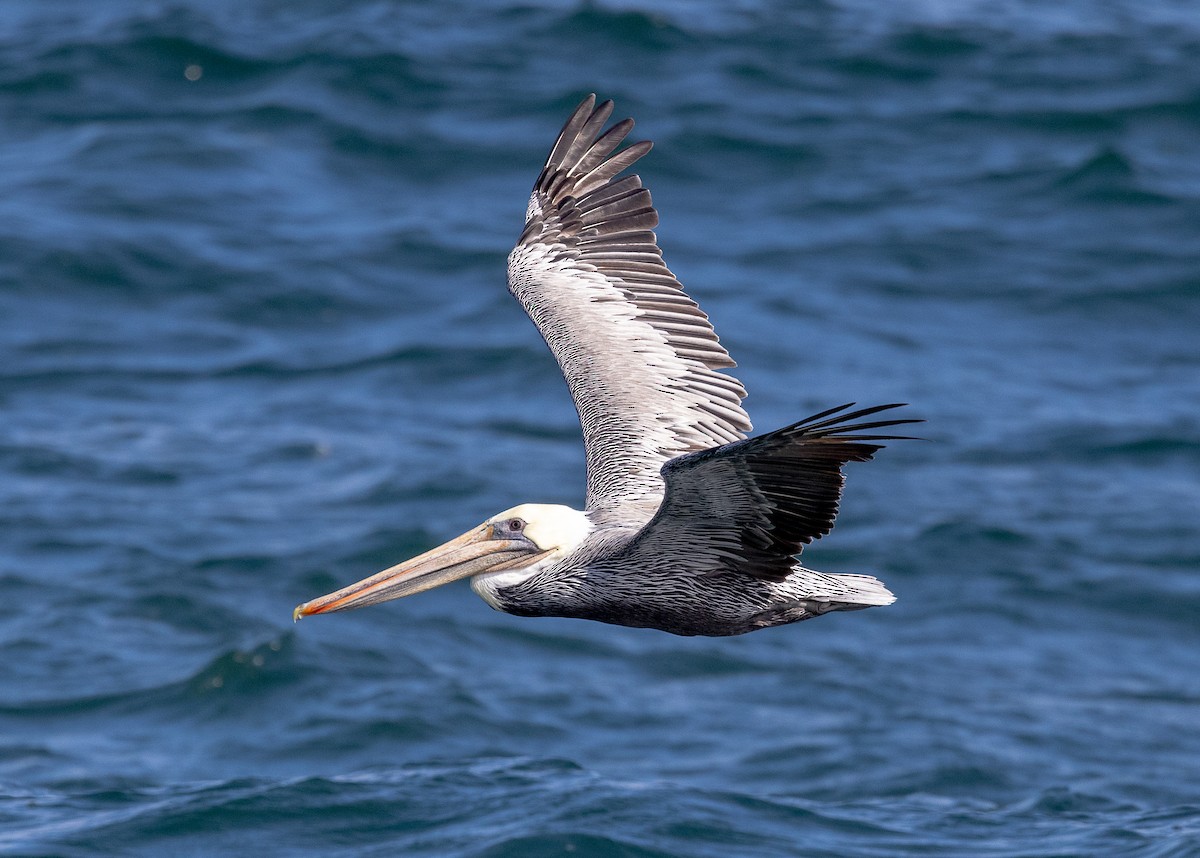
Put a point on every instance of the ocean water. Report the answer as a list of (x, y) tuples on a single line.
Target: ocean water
[(255, 344)]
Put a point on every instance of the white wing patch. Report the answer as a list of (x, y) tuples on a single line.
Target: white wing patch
[(533, 209), (629, 384)]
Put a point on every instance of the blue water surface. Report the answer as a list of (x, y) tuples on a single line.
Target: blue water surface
[(255, 344)]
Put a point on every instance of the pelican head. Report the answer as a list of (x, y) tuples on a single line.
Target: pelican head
[(504, 550)]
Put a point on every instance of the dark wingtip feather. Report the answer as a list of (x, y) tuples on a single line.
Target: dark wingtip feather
[(833, 424), (571, 128)]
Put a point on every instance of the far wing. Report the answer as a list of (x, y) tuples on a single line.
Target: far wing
[(749, 507), (638, 354)]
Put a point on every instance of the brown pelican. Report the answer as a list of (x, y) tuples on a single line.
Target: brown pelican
[(690, 526)]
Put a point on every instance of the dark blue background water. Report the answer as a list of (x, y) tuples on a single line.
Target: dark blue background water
[(255, 344)]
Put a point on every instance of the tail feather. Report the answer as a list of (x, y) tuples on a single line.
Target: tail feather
[(866, 590), (846, 592), (806, 594)]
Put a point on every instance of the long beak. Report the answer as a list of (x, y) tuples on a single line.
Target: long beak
[(476, 551)]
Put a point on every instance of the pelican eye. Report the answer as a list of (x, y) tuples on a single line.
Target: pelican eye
[(514, 525)]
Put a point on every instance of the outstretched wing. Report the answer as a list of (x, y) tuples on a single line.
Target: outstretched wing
[(638, 354), (750, 506)]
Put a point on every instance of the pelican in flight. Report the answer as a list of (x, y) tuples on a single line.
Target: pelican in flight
[(690, 526)]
